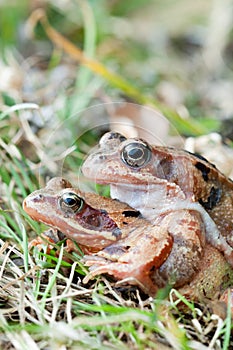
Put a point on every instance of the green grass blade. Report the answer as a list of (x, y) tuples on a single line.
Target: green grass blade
[(52, 279), (228, 322)]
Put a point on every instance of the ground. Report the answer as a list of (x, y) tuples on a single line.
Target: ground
[(98, 66)]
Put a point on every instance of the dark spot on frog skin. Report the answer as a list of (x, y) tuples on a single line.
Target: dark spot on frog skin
[(117, 232), (131, 213), (204, 170), (213, 199), (103, 211), (116, 249), (38, 198), (55, 235), (199, 156), (201, 164), (61, 235), (116, 135), (108, 137)]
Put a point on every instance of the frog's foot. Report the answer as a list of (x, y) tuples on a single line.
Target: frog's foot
[(47, 238), (120, 271), (135, 258)]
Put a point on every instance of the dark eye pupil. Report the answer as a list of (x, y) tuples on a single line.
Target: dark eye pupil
[(135, 153), (70, 201)]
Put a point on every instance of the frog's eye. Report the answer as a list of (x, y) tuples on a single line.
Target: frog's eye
[(136, 154), (71, 201)]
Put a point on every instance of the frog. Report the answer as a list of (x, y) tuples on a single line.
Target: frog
[(118, 241), (166, 185)]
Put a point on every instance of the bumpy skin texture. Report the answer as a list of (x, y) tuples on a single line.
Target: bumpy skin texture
[(159, 181), (119, 242)]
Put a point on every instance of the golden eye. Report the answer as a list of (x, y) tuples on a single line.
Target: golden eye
[(71, 201), (136, 154)]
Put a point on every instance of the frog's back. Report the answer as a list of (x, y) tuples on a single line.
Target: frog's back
[(201, 181), (191, 172), (214, 191)]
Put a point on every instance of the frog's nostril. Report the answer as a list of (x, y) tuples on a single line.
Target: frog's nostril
[(110, 137), (37, 198), (102, 157)]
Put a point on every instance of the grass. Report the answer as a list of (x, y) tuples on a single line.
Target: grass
[(46, 128), (43, 306)]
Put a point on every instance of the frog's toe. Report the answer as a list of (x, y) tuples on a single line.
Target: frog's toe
[(94, 271)]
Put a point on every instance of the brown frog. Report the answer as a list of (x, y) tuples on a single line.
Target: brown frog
[(119, 242), (167, 185)]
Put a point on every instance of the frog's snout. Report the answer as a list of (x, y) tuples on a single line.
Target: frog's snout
[(31, 199), (26, 204)]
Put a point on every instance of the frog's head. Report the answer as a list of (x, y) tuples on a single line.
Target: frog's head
[(118, 160), (64, 208)]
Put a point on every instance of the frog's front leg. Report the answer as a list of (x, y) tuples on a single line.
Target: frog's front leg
[(122, 273), (133, 259), (188, 232), (51, 237), (48, 238)]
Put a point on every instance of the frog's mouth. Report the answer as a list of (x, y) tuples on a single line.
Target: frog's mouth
[(129, 184), (114, 174)]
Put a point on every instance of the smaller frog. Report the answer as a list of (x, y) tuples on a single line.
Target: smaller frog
[(167, 186), (112, 230), (119, 242)]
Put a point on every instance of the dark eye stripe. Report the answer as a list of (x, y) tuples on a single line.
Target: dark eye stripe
[(131, 213), (213, 199), (204, 170)]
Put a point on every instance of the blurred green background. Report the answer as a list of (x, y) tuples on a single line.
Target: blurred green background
[(179, 52)]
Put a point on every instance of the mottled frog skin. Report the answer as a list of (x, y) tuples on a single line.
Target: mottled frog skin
[(166, 184), (119, 242)]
